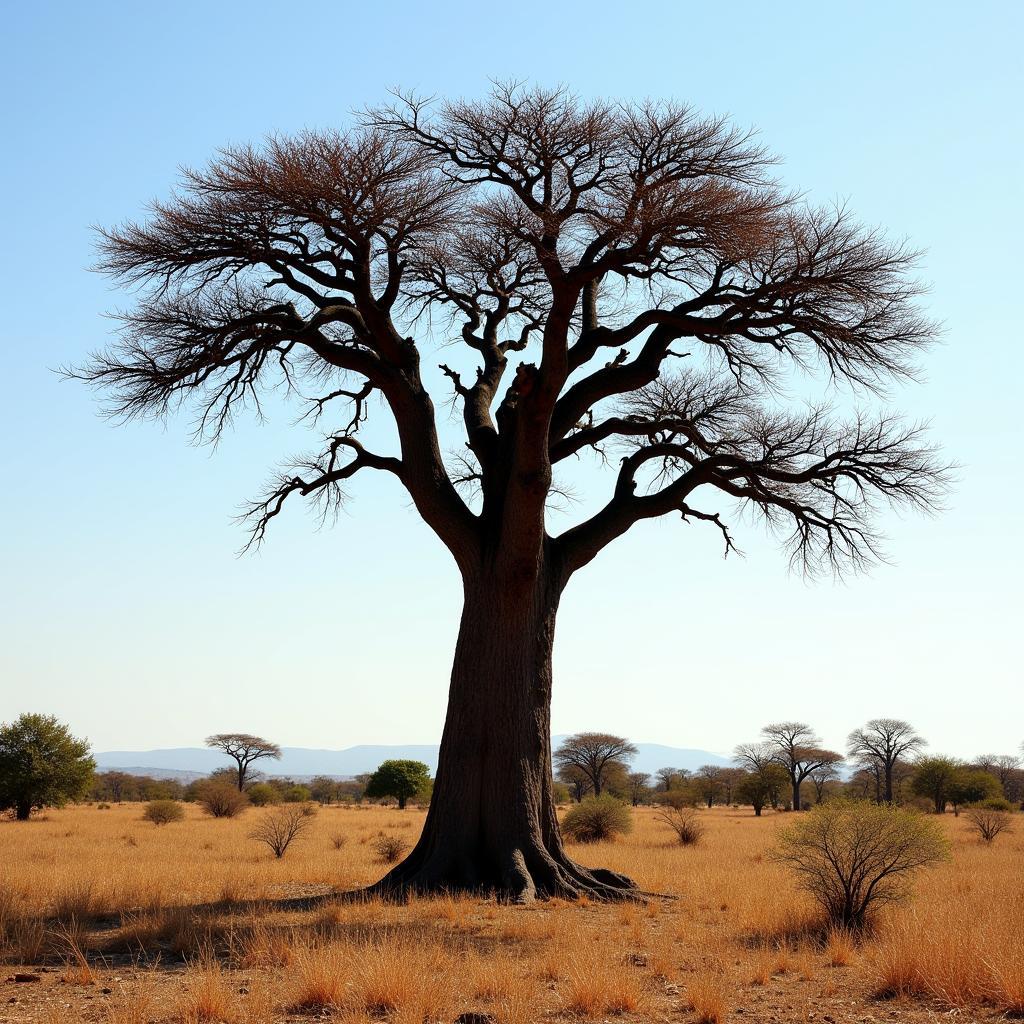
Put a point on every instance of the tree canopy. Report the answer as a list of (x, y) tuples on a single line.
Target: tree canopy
[(41, 765), (400, 778), (622, 285)]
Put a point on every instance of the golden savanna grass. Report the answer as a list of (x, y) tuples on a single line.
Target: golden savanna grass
[(127, 923)]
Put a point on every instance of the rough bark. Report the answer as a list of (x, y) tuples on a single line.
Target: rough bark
[(491, 826)]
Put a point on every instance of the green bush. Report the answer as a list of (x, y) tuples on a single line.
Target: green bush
[(262, 793), (596, 819), (162, 812)]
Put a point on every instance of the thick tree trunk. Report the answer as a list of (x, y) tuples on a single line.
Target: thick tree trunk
[(22, 811), (491, 826), (796, 792)]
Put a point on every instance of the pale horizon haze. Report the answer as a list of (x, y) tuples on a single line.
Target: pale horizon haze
[(125, 608)]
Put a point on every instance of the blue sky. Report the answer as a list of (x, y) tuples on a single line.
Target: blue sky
[(124, 608)]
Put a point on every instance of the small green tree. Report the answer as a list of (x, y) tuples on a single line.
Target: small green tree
[(41, 764), (933, 777), (759, 788), (854, 856), (400, 779), (972, 786)]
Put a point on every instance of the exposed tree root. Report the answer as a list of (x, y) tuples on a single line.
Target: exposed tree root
[(523, 880)]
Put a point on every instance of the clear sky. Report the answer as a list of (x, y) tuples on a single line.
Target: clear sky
[(124, 608)]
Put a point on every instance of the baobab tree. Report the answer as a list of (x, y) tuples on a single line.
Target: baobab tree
[(622, 283), (244, 748), (594, 755), (881, 744), (797, 749)]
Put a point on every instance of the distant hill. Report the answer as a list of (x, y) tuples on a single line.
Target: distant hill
[(187, 763)]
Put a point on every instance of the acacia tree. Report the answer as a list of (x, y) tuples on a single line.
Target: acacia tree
[(882, 743), (796, 747), (594, 755), (668, 288), (244, 749)]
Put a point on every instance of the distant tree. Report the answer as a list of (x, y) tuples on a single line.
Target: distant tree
[(799, 751), (854, 856), (296, 793), (972, 786), (562, 793), (401, 779), (670, 777), (351, 790), (115, 784), (324, 789), (933, 777), (244, 749), (821, 777), (762, 788), (160, 789), (708, 783), (639, 787), (41, 765), (596, 754), (575, 779), (1007, 769), (883, 742), (729, 777)]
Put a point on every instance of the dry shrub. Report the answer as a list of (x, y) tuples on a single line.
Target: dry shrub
[(401, 980), (280, 827), (132, 1006), (840, 947), (989, 822), (389, 848), (163, 812), (854, 857), (338, 840), (263, 946), (595, 989), (684, 823), (596, 819), (206, 995), (222, 800), (705, 996), (320, 974), (76, 967), (962, 962), (74, 902)]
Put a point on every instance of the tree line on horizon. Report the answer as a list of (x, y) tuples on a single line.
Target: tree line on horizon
[(43, 764)]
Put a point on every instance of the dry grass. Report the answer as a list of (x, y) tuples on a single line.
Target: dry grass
[(193, 907)]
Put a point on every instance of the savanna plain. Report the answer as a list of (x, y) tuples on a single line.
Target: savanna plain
[(106, 917)]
